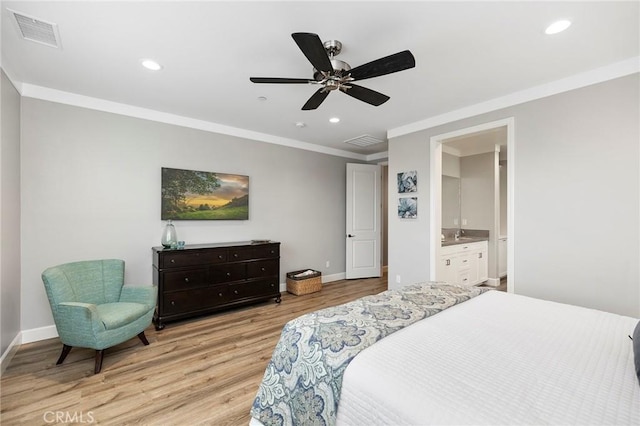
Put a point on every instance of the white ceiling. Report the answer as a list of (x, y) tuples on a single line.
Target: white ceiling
[(466, 53)]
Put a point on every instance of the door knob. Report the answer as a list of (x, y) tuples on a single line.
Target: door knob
[(350, 235)]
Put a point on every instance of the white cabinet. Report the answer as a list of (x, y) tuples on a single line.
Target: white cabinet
[(464, 264)]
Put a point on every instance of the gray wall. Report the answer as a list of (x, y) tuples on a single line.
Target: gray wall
[(478, 200), (9, 213), (91, 189), (577, 197)]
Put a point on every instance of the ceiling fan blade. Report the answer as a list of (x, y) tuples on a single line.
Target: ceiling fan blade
[(316, 99), (280, 80), (366, 95), (313, 49), (389, 64)]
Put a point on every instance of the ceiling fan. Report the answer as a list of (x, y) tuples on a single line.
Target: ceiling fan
[(333, 74)]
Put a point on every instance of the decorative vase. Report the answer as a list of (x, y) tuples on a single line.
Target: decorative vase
[(169, 236)]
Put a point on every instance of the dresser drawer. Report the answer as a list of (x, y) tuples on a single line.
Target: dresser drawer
[(182, 280), (193, 300), (228, 272), (178, 258), (254, 288), (263, 268), (237, 254), (270, 250)]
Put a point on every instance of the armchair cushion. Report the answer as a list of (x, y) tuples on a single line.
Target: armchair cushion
[(115, 315)]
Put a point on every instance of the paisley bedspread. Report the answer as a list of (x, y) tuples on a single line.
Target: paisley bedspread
[(303, 380)]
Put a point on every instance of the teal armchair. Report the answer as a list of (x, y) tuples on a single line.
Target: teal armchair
[(92, 308)]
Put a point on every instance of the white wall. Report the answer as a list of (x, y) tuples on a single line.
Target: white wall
[(577, 197), (91, 189), (9, 214)]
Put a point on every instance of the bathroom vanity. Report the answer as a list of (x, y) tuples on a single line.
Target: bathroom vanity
[(464, 262)]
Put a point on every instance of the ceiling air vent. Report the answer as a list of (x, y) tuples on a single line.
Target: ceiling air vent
[(364, 140), (37, 30)]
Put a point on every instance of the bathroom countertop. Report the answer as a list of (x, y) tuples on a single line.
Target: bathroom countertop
[(463, 240)]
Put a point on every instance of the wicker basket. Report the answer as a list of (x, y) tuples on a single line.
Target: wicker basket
[(304, 285)]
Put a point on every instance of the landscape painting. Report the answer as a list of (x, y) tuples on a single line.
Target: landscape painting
[(196, 195)]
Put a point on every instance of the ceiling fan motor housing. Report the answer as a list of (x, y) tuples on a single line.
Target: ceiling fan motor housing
[(340, 69)]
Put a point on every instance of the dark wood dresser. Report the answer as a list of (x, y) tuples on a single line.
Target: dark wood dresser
[(204, 278)]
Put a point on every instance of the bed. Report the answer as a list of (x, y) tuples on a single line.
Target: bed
[(441, 354)]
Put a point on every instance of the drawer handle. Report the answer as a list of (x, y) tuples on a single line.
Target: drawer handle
[(173, 303), (480, 255), (235, 254), (465, 261), (262, 269), (220, 256), (273, 285), (228, 274), (173, 261), (448, 262), (235, 291), (186, 280), (273, 252), (220, 294)]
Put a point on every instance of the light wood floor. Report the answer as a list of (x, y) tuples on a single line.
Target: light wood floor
[(203, 371)]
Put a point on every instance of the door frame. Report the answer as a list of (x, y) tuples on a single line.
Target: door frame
[(435, 210)]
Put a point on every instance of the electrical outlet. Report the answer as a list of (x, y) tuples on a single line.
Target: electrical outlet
[(328, 264), (464, 222), (398, 279)]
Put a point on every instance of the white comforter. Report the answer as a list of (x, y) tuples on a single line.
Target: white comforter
[(498, 359)]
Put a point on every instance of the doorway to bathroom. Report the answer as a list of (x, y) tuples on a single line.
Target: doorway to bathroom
[(472, 195)]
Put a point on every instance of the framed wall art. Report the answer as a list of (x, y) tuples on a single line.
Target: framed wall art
[(408, 207), (407, 182), (197, 195)]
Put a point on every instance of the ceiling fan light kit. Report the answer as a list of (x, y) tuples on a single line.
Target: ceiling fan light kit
[(333, 74)]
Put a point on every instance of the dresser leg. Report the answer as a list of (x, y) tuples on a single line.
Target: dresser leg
[(278, 299)]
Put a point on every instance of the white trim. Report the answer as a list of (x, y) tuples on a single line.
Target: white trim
[(609, 72), (378, 156), (334, 277), (68, 98), (435, 221), (493, 282), (37, 334), (435, 212), (8, 355)]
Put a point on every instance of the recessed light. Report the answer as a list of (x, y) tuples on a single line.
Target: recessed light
[(334, 120), (262, 98), (558, 27), (150, 64), (300, 124)]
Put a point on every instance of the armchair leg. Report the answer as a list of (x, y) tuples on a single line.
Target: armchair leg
[(98, 367), (143, 338), (63, 355)]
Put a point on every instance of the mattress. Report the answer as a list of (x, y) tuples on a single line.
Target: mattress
[(498, 358)]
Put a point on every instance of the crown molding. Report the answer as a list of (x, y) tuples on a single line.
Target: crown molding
[(598, 75), (53, 95)]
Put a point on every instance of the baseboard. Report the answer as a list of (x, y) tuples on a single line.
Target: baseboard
[(333, 277), (493, 282), (37, 334), (7, 356)]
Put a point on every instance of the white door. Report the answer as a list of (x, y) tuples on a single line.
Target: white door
[(364, 210)]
